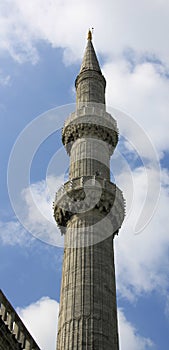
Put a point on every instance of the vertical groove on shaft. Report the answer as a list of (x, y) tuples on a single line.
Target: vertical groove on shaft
[(88, 310), (88, 295)]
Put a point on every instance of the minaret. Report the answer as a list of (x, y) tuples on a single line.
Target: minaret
[(89, 210)]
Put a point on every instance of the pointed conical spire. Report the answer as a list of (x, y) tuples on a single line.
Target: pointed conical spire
[(90, 83), (90, 61)]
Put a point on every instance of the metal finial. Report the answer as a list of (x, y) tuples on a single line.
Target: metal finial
[(89, 35)]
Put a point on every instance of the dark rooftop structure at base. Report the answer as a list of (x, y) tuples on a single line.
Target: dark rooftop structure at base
[(13, 333)]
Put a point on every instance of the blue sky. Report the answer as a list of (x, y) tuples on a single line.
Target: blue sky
[(41, 48)]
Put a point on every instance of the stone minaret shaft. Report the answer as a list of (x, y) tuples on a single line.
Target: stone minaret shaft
[(89, 210)]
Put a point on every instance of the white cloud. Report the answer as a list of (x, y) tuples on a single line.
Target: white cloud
[(141, 88), (4, 79), (37, 213), (13, 233), (36, 217), (129, 336), (142, 91), (141, 259), (35, 220), (118, 25), (41, 320), (16, 37)]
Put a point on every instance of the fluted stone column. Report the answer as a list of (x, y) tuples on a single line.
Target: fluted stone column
[(89, 210), (88, 318)]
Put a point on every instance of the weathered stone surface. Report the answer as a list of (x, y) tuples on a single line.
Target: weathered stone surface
[(90, 196), (86, 123), (89, 210), (13, 333), (90, 83), (88, 315)]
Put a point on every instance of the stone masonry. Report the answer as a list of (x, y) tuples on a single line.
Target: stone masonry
[(89, 210), (13, 333)]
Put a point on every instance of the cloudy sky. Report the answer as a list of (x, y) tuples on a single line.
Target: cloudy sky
[(41, 48)]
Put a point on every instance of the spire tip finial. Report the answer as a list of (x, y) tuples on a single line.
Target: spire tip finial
[(89, 35)]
